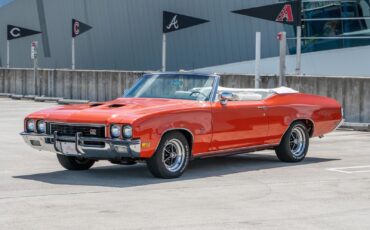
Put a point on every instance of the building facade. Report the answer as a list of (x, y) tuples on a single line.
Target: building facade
[(127, 34)]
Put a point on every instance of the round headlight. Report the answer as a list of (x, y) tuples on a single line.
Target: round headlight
[(115, 131), (41, 126), (30, 126), (127, 131)]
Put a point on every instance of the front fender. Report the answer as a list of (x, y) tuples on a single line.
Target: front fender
[(151, 129)]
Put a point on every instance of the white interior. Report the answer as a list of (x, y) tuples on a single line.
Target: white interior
[(241, 94)]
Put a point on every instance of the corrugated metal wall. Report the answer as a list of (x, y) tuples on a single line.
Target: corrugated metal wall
[(127, 33)]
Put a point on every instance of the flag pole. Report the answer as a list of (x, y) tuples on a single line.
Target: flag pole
[(164, 52), (298, 69), (257, 79), (7, 54), (35, 76), (73, 54), (282, 58), (299, 51)]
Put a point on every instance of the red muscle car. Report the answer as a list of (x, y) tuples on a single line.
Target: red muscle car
[(167, 119)]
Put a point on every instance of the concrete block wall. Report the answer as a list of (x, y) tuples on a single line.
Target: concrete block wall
[(84, 85), (352, 92)]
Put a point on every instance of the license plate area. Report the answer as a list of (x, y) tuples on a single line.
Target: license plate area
[(68, 148)]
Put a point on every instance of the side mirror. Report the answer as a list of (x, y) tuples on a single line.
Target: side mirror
[(225, 97)]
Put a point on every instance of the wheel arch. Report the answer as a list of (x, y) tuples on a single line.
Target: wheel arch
[(310, 125), (186, 132)]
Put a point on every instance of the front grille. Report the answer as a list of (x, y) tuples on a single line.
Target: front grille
[(71, 130)]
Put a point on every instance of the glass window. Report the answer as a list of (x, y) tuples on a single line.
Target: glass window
[(335, 22), (173, 86)]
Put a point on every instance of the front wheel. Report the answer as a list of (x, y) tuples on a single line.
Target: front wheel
[(75, 163), (294, 145), (171, 158)]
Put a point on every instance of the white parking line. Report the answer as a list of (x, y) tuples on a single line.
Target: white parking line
[(353, 169)]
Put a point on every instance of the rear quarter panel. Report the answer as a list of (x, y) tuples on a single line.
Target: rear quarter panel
[(325, 113)]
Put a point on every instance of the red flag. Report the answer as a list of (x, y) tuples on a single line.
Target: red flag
[(287, 13)]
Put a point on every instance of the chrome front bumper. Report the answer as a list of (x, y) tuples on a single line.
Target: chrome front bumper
[(106, 149)]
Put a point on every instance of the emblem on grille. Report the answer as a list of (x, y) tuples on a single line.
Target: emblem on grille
[(93, 132)]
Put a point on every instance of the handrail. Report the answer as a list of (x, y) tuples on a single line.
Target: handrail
[(334, 19)]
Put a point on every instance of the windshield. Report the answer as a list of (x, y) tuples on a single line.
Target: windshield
[(173, 86)]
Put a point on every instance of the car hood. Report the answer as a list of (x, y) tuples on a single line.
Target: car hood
[(121, 110)]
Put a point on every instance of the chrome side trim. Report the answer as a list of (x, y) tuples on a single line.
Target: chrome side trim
[(235, 151)]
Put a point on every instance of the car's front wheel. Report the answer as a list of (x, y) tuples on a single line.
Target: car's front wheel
[(75, 163), (171, 158), (294, 145)]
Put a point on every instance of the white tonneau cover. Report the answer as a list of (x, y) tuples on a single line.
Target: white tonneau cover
[(255, 94), (280, 90)]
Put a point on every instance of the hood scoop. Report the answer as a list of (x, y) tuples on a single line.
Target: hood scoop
[(113, 106), (95, 104)]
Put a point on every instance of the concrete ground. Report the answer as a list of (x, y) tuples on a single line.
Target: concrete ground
[(329, 190)]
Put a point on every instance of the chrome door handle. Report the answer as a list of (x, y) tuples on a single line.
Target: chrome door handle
[(262, 107)]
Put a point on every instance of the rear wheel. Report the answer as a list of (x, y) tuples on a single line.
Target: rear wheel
[(75, 163), (171, 158), (295, 143)]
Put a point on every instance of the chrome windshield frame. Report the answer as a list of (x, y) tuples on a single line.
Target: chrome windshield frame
[(212, 96)]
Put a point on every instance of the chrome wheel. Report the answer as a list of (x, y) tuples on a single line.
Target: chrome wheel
[(297, 141), (173, 155)]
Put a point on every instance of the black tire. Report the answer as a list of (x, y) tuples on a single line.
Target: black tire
[(156, 164), (74, 163), (290, 149)]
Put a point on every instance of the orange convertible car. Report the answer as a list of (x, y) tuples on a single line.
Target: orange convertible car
[(167, 119)]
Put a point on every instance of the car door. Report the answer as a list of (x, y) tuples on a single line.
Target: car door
[(238, 124)]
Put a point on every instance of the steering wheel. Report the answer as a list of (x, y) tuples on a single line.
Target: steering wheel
[(198, 92)]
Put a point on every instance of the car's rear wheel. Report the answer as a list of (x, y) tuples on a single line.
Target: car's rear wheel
[(295, 143), (171, 158), (75, 163)]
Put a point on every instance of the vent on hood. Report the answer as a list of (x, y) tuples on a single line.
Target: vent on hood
[(95, 104), (116, 105)]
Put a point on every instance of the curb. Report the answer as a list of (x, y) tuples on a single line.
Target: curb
[(58, 100), (48, 99), (5, 94), (29, 97), (69, 102), (364, 127), (16, 97)]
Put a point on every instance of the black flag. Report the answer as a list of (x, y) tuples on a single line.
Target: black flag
[(173, 22), (79, 28), (287, 13), (15, 32)]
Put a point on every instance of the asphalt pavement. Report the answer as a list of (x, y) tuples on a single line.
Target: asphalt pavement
[(329, 190)]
